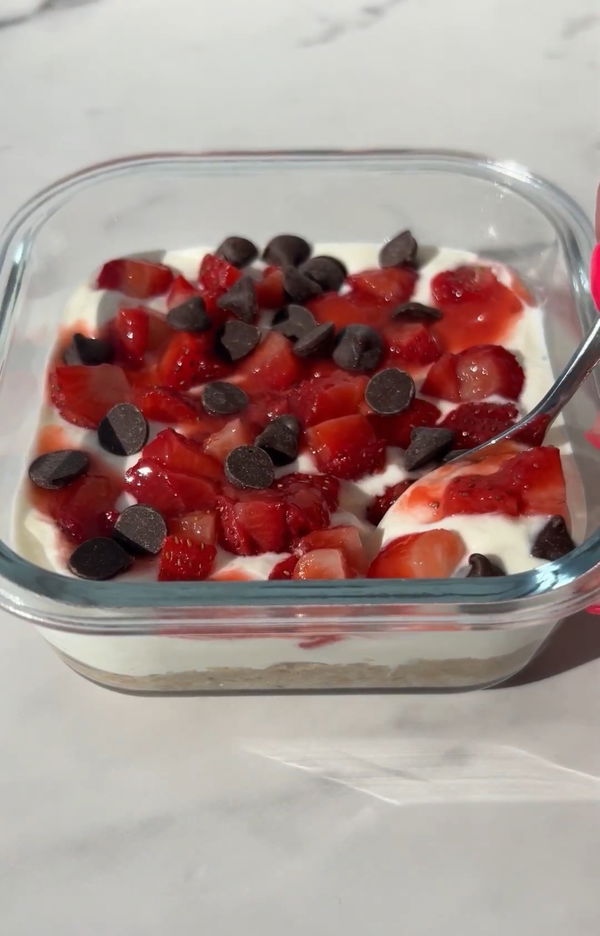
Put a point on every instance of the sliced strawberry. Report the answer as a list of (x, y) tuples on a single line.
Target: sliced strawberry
[(265, 408), (345, 538), (322, 564), (200, 526), (83, 510), (477, 307), (476, 494), (180, 291), (442, 380), (83, 395), (269, 290), (474, 374), (215, 277), (475, 423), (284, 570), (536, 478), (168, 491), (183, 560), (346, 447), (132, 335), (220, 443), (190, 359), (380, 505), (411, 343), (139, 279), (319, 399), (168, 406), (271, 366), (178, 453), (328, 487), (396, 429), (253, 526), (535, 432), (350, 309), (432, 554), (392, 285)]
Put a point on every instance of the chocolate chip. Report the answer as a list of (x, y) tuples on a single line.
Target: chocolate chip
[(280, 439), (141, 530), (240, 300), (328, 272), (294, 322), (190, 316), (553, 540), (287, 250), (223, 399), (390, 391), (359, 348), (239, 251), (57, 469), (298, 287), (401, 250), (426, 445), (91, 351), (482, 567), (99, 558), (238, 339), (318, 340), (249, 466), (416, 312), (124, 430)]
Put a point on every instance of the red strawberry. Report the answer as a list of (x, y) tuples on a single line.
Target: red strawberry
[(345, 538), (432, 554), (477, 307), (215, 277), (380, 505), (319, 399), (271, 366), (535, 432), (269, 289), (200, 526), (168, 491), (442, 380), (132, 335), (190, 359), (476, 373), (392, 285), (166, 406), (182, 560), (327, 486), (235, 432), (346, 447), (464, 284), (396, 430), (83, 395), (284, 570), (83, 509), (265, 408), (253, 526), (322, 564), (180, 291), (350, 309), (536, 478), (475, 494), (475, 423), (178, 453), (139, 279), (411, 343)]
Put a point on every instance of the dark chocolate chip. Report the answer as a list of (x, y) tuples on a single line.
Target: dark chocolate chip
[(141, 530), (238, 339), (427, 445), (553, 540), (240, 300), (124, 430), (318, 340), (99, 558), (287, 250), (298, 287), (416, 312), (390, 391), (239, 251), (57, 469), (294, 322), (223, 399), (91, 351), (249, 466), (359, 348), (328, 272), (401, 250), (280, 439), (190, 316), (482, 567)]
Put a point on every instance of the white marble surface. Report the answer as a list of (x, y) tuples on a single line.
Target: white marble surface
[(130, 816)]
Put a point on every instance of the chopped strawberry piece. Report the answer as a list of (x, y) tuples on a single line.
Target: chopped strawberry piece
[(216, 276), (319, 399), (235, 432), (199, 526), (83, 395), (139, 279), (442, 380), (83, 509), (432, 554), (328, 487), (183, 560), (475, 494), (477, 307), (284, 570), (190, 359), (132, 335), (271, 366), (380, 505), (322, 564), (251, 527), (350, 309), (476, 373), (178, 453), (411, 343), (535, 432), (168, 491), (345, 538), (346, 447), (166, 406), (396, 429), (536, 477), (269, 289), (475, 423), (265, 408), (180, 291), (390, 285)]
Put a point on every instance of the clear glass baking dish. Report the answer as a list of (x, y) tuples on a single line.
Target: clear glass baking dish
[(236, 636)]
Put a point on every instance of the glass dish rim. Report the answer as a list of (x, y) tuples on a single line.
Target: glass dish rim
[(550, 580)]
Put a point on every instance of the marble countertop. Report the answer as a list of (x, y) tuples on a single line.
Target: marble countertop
[(136, 816)]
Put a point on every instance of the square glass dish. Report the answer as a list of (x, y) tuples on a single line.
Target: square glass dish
[(351, 634)]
